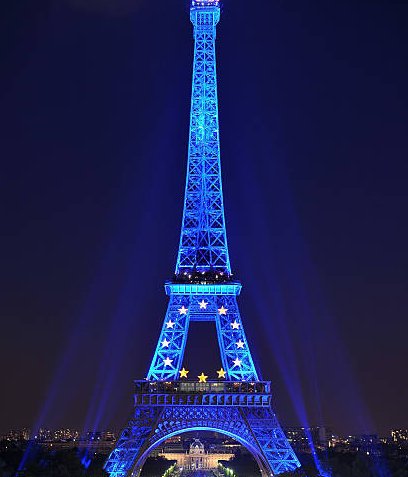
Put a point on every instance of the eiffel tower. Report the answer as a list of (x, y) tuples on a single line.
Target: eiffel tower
[(167, 403)]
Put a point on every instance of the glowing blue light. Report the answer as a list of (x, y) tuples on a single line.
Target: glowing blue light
[(86, 460), (205, 3), (203, 290), (203, 240)]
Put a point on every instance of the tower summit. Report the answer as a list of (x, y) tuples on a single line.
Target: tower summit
[(231, 401)]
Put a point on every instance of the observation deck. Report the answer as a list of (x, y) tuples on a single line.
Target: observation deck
[(205, 13), (211, 289), (205, 3), (211, 393)]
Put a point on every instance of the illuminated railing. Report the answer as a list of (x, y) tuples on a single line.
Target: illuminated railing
[(197, 387), (212, 393), (232, 288)]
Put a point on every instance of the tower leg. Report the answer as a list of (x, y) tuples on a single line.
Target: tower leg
[(123, 461), (169, 352), (235, 354), (271, 440)]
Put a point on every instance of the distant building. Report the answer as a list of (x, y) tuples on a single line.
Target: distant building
[(65, 435), (44, 435), (174, 444), (196, 457), (17, 435), (100, 436), (340, 443), (400, 437), (302, 438), (229, 445), (366, 443)]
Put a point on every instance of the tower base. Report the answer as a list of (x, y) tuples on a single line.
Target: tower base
[(241, 411)]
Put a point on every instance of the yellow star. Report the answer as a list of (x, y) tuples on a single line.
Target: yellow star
[(183, 373), (202, 378), (222, 310), (221, 373)]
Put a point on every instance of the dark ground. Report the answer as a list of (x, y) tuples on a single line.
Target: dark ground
[(67, 463)]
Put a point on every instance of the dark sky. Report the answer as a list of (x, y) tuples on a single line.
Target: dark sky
[(94, 106)]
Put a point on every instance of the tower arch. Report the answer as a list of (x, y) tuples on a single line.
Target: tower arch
[(260, 460)]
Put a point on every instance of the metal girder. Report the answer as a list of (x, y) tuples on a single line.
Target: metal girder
[(127, 448), (223, 310), (271, 439), (168, 357), (203, 241)]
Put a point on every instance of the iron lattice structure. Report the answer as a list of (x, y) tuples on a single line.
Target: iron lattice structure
[(203, 302), (203, 241), (203, 290)]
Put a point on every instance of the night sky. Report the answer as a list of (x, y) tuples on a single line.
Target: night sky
[(94, 114)]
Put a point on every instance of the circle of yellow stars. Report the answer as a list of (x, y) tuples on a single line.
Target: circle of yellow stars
[(202, 378)]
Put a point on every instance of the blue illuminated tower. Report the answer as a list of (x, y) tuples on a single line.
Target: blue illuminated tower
[(238, 404)]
